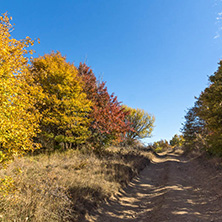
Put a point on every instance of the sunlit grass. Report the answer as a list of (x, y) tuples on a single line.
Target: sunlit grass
[(65, 186)]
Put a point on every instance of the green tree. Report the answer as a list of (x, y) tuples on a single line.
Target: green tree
[(210, 110), (194, 130), (142, 124), (63, 104)]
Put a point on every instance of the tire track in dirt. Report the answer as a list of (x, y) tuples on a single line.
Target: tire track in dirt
[(171, 188)]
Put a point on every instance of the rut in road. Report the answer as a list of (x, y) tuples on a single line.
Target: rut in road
[(170, 188)]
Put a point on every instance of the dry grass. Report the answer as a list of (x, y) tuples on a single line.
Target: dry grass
[(66, 186)]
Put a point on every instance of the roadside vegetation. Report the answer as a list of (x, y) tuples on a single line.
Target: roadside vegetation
[(67, 144), (65, 186), (177, 141), (61, 134), (202, 129)]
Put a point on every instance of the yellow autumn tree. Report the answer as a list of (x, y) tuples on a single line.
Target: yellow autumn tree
[(63, 104), (18, 116), (141, 123)]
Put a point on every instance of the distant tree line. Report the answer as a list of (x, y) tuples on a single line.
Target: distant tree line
[(177, 141)]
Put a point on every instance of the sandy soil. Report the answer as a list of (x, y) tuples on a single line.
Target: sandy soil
[(171, 188)]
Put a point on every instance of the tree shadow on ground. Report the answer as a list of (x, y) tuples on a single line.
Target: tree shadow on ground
[(85, 199), (169, 189)]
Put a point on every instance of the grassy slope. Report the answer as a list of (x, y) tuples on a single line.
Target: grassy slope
[(66, 186)]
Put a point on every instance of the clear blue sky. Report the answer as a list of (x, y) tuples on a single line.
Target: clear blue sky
[(153, 54)]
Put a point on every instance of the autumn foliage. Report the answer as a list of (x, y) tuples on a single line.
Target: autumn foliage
[(107, 115), (141, 124), (177, 141), (47, 102), (18, 115), (62, 102)]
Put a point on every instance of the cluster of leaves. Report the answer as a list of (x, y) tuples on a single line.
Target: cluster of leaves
[(18, 116), (107, 115), (161, 145), (203, 126), (62, 103), (177, 141), (141, 122), (194, 130), (48, 102)]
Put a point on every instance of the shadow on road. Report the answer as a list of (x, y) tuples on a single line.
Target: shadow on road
[(171, 188)]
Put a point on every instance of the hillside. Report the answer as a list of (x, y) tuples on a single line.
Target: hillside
[(66, 186)]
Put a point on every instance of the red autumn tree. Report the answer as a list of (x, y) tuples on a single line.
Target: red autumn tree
[(108, 116)]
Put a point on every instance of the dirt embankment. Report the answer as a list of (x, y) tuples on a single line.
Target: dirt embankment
[(172, 188)]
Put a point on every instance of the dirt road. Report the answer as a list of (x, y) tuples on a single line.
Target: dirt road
[(171, 188)]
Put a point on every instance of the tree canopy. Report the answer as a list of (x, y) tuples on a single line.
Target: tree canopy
[(203, 124), (18, 116), (177, 141), (107, 115), (141, 123), (63, 104)]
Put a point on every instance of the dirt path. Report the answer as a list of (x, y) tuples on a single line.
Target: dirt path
[(171, 188)]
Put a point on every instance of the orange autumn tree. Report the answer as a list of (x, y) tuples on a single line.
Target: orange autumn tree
[(18, 116), (63, 104), (107, 115)]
